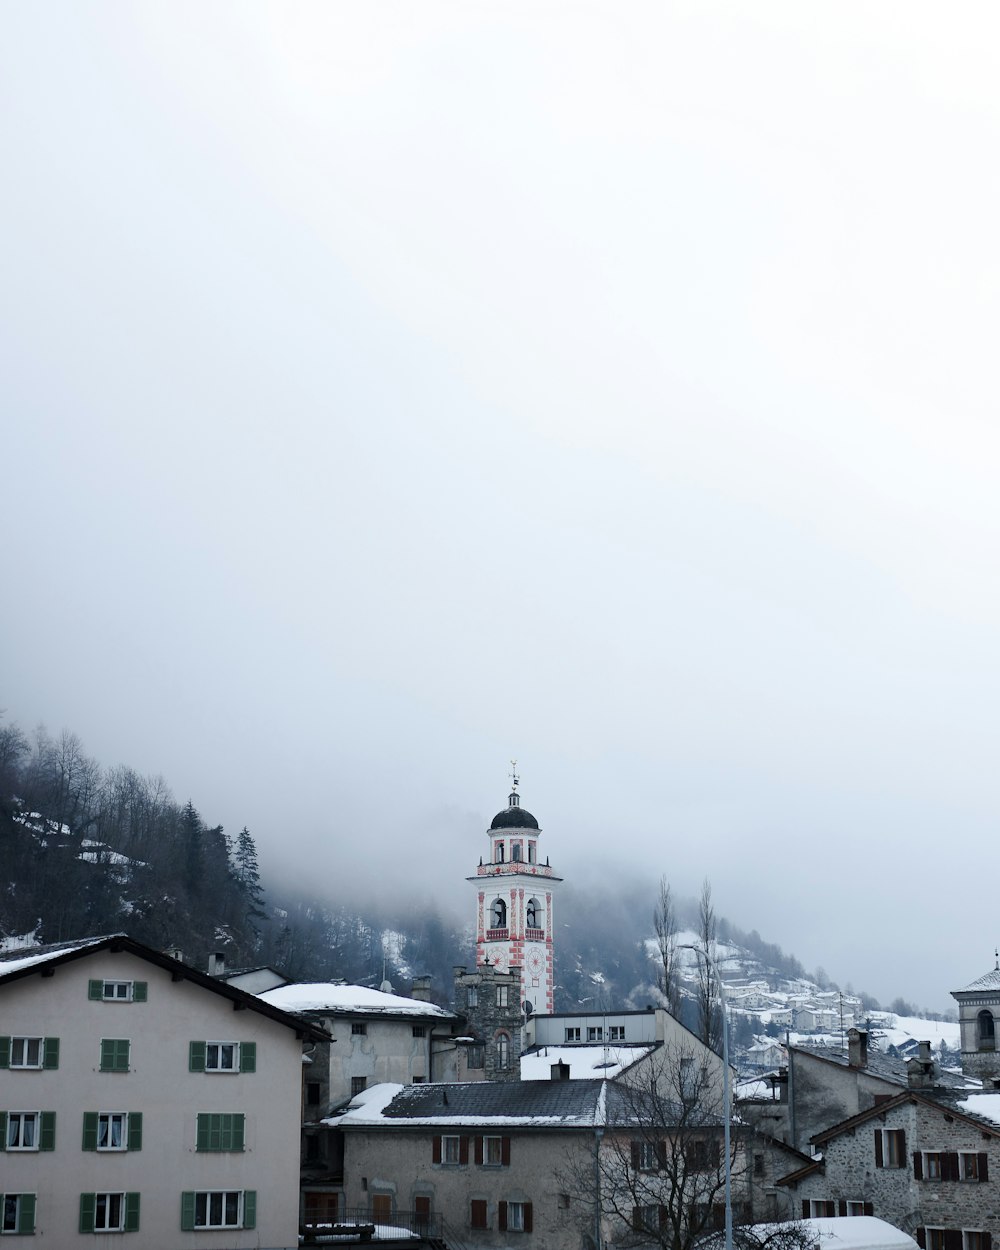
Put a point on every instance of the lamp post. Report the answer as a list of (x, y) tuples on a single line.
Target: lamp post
[(726, 1091)]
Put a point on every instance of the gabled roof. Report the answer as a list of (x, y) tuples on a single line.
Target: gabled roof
[(17, 965), (324, 998)]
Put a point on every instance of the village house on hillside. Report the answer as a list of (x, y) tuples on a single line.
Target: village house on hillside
[(138, 1094)]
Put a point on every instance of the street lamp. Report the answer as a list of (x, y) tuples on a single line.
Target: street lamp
[(726, 1091)]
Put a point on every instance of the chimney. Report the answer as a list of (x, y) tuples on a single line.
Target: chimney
[(217, 964), (920, 1069), (175, 952), (559, 1071), (857, 1048), (421, 990)]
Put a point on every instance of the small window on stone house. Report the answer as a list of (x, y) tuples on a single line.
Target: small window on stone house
[(503, 1051), (472, 996), (359, 1028)]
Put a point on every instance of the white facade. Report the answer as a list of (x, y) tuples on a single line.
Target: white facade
[(167, 1111), (514, 902)]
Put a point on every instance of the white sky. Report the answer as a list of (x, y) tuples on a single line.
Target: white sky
[(390, 389)]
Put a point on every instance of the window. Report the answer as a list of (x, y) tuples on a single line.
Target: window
[(758, 1165), (985, 1032), (358, 1085), (572, 1035), (646, 1156), (359, 1028), (890, 1148), (973, 1167), (503, 1051), (493, 1152), (932, 1166), (218, 1132), (29, 1052), (616, 1032), (531, 913), (451, 1150), (112, 1130), (856, 1208), (820, 1208), (702, 1155), (476, 1056), (935, 1238), (222, 1056), (646, 1218), (420, 1030), (472, 997), (312, 1093), (313, 1152), (18, 1213), (517, 1217), (531, 852), (109, 1213), (595, 1034), (502, 992), (498, 914), (499, 858), (219, 1208), (118, 991), (516, 852), (563, 1202), (114, 1054), (28, 1130), (975, 1240), (478, 1214)]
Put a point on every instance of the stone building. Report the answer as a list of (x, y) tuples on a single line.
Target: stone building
[(489, 1001), (922, 1160)]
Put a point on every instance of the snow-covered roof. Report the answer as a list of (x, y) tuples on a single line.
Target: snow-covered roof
[(991, 981), (987, 1106), (496, 1104), (584, 1061), (15, 962), (860, 1232), (348, 1000)]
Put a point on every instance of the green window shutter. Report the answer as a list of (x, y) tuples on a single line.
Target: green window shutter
[(47, 1135), (114, 1054), (196, 1057), (26, 1216), (131, 1212), (139, 989), (187, 1211), (95, 990), (4, 1052), (237, 1132), (204, 1132), (135, 1130), (249, 1208), (248, 1056), (88, 1204), (3, 1130), (50, 1053), (89, 1130)]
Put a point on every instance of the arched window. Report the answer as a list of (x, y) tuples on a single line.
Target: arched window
[(498, 914), (986, 1030), (499, 858), (503, 1050), (531, 916), (515, 852)]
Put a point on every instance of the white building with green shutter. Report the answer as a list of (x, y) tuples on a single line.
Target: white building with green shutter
[(138, 1094)]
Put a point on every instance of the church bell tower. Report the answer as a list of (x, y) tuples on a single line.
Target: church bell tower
[(514, 891)]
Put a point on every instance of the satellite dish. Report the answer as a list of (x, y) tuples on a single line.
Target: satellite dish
[(527, 1007)]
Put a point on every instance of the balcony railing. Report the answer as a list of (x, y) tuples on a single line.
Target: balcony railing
[(497, 935)]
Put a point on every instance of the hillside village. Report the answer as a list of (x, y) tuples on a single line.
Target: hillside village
[(232, 1106)]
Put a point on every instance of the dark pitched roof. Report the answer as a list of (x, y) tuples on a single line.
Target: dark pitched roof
[(574, 1103), (18, 964), (889, 1068)]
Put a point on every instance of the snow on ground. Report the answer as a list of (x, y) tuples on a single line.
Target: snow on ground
[(325, 996), (900, 1029), (585, 1062)]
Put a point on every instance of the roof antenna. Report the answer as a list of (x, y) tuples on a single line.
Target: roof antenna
[(996, 956)]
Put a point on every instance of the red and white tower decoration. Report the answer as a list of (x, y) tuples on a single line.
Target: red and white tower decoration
[(514, 888)]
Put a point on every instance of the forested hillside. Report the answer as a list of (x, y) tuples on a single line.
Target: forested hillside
[(88, 850)]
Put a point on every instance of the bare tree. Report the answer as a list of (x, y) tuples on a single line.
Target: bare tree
[(665, 923), (709, 1010), (656, 1173)]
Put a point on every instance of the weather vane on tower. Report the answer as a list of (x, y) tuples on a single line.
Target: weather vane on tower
[(514, 778)]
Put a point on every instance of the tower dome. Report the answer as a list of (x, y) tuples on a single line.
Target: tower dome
[(514, 816)]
